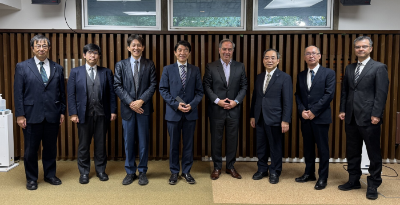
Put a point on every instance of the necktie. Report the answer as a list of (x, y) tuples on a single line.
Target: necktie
[(312, 75), (183, 75), (266, 83), (136, 75), (357, 72), (43, 73), (91, 73)]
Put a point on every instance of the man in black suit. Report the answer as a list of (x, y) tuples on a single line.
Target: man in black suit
[(135, 83), (184, 81), (270, 114), (92, 105), (225, 85), (39, 93), (315, 90), (364, 91)]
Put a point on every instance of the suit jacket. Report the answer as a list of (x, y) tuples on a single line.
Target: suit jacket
[(319, 97), (215, 86), (366, 98), (276, 104), (33, 99), (124, 86), (77, 92), (171, 86)]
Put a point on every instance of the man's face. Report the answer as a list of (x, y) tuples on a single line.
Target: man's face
[(362, 49), (312, 56), (92, 57), (226, 51), (41, 49), (182, 53), (136, 49), (270, 60)]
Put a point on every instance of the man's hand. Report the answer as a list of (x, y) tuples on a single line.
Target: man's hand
[(342, 115), (304, 114), (375, 120), (183, 107), (134, 105), (21, 120), (285, 126), (74, 118), (253, 122), (222, 103), (61, 119), (231, 104), (310, 115), (113, 117)]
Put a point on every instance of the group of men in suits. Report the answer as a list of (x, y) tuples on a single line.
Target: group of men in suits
[(40, 107)]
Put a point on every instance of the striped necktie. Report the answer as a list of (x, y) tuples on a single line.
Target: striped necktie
[(91, 73), (43, 73), (357, 72), (136, 75), (267, 82), (183, 75)]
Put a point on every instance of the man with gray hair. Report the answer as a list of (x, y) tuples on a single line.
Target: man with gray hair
[(364, 91), (225, 86)]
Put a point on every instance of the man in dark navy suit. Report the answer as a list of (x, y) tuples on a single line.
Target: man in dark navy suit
[(135, 83), (92, 105), (270, 114), (182, 90), (315, 90), (39, 94)]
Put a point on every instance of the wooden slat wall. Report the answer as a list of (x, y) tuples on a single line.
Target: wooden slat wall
[(337, 52)]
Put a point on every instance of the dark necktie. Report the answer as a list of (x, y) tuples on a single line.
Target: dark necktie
[(91, 73), (357, 72), (136, 75), (183, 75), (267, 82), (43, 73), (312, 75)]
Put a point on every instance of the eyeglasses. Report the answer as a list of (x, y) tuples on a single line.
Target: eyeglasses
[(358, 47), (311, 54), (92, 53), (227, 49), (183, 50), (41, 46)]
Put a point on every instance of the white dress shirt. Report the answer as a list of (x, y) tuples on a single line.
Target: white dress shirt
[(46, 66), (94, 70), (363, 65), (179, 68), (309, 83), (266, 76)]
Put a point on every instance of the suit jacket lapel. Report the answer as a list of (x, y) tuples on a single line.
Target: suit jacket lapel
[(34, 69), (273, 79), (100, 74), (364, 71), (52, 66), (82, 75), (221, 72), (129, 72), (232, 71), (321, 72), (188, 73), (141, 70), (260, 84), (175, 72)]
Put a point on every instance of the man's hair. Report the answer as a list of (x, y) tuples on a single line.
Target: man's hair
[(38, 38), (226, 40), (278, 55), (360, 38), (91, 47), (312, 46), (137, 37), (183, 43)]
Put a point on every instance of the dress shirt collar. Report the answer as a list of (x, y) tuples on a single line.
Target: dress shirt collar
[(88, 68), (37, 61), (365, 61), (179, 64), (271, 73), (315, 69), (224, 64), (133, 60)]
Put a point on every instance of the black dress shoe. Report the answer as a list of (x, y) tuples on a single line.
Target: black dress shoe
[(273, 178), (259, 175), (372, 193), (321, 184), (306, 178), (102, 176), (129, 178), (189, 179), (143, 178), (173, 179), (84, 179), (31, 185), (350, 185), (53, 181)]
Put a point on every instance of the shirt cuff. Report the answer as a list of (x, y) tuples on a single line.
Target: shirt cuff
[(216, 101), (237, 102)]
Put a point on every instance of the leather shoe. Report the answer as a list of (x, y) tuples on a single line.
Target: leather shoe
[(321, 184), (273, 178), (350, 185), (84, 179), (143, 179), (189, 179), (173, 179), (260, 175), (129, 178), (215, 174), (53, 180), (31, 185), (372, 193), (102, 176), (233, 173), (306, 178)]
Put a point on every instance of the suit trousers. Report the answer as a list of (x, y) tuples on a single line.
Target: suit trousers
[(186, 127), (34, 133), (136, 128), (354, 141), (316, 134), (217, 126), (272, 136), (95, 126)]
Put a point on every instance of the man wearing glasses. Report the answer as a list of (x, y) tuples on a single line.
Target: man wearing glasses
[(91, 105), (39, 107), (315, 90), (364, 91)]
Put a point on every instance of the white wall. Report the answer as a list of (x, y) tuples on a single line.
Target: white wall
[(35, 16), (380, 15), (10, 4)]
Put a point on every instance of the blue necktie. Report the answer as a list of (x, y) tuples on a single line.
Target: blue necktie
[(183, 75), (312, 75), (43, 73)]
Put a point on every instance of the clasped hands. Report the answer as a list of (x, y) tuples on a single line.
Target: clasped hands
[(75, 118), (227, 104), (374, 120), (137, 106), (307, 115), (184, 107)]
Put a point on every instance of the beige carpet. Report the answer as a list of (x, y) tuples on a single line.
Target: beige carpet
[(225, 190)]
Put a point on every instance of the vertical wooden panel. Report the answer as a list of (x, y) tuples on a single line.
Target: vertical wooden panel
[(161, 106), (385, 125), (61, 140), (203, 102), (393, 93), (287, 67), (118, 50), (111, 64), (336, 121), (210, 37), (250, 87), (302, 67), (68, 123), (169, 47), (331, 66), (154, 119), (294, 125)]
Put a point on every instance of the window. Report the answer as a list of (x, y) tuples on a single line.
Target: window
[(292, 14), (121, 14), (206, 15)]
